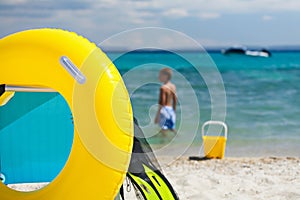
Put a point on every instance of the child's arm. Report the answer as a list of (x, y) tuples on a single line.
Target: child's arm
[(174, 98), (162, 97), (174, 101)]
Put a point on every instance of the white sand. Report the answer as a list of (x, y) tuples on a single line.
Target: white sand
[(232, 178), (236, 178), (25, 187)]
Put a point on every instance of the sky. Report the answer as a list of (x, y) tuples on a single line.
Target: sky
[(209, 22)]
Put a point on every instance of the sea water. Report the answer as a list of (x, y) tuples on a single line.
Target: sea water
[(262, 98)]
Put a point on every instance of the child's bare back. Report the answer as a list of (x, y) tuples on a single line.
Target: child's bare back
[(168, 95)]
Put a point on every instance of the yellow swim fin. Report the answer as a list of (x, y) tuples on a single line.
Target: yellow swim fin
[(152, 184)]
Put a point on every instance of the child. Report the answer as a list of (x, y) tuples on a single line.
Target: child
[(166, 115)]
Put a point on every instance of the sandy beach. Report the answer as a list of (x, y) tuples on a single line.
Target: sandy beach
[(229, 178), (237, 178)]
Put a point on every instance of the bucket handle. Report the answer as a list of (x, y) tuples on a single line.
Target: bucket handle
[(215, 123)]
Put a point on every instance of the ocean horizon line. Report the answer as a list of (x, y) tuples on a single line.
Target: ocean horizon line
[(209, 49)]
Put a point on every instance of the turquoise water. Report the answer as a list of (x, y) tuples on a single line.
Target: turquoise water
[(36, 134), (262, 97)]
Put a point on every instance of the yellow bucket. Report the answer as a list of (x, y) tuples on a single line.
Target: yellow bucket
[(214, 146)]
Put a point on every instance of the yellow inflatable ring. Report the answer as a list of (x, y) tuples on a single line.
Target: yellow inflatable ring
[(103, 125)]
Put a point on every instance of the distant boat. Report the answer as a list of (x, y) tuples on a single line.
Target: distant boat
[(245, 51), (234, 50), (261, 53)]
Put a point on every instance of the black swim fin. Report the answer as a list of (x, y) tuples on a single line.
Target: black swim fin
[(144, 172)]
